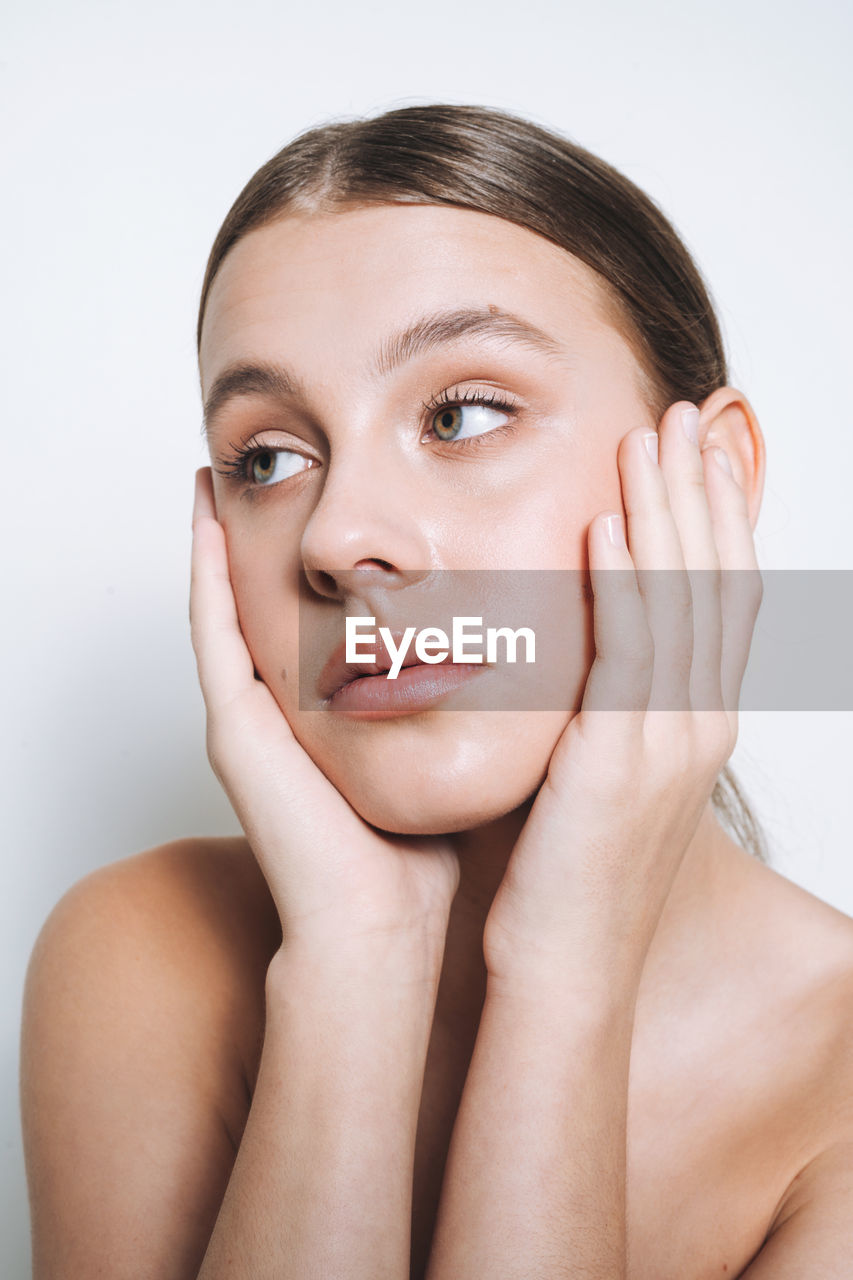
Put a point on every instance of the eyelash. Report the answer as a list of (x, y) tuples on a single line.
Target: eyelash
[(473, 396), (238, 466)]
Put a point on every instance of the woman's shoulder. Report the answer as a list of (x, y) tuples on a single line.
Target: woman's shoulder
[(803, 938), (780, 958), (742, 1065), (756, 1003), (795, 1019), (192, 921), (142, 1011), (202, 890), (784, 1006), (208, 883)]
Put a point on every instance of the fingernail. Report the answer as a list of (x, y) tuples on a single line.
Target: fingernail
[(723, 459), (650, 440), (196, 496), (690, 422), (614, 530)]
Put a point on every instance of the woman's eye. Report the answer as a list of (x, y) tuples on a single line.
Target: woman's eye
[(271, 466), (449, 423)]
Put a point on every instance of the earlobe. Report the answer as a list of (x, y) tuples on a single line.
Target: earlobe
[(729, 421)]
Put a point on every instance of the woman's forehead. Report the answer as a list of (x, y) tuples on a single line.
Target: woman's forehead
[(371, 270)]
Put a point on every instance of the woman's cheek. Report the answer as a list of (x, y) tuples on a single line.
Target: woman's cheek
[(266, 595)]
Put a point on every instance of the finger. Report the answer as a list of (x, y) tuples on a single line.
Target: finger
[(225, 666), (656, 551), (683, 468), (620, 676), (203, 500), (741, 586)]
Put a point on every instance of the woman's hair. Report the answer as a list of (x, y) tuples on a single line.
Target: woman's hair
[(494, 162)]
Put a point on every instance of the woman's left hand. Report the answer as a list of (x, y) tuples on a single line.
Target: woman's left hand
[(632, 774)]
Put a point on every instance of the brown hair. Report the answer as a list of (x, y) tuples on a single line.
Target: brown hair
[(494, 162)]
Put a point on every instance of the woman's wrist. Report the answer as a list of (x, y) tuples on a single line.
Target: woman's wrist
[(601, 958), (373, 1000), (589, 988), (397, 960)]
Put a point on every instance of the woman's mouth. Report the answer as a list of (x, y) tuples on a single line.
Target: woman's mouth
[(366, 691), (417, 687)]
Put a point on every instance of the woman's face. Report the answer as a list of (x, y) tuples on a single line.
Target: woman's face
[(363, 492)]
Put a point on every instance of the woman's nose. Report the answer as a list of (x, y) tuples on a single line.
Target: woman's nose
[(369, 522)]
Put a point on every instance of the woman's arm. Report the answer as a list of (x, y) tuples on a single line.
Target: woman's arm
[(534, 1187), (322, 1184)]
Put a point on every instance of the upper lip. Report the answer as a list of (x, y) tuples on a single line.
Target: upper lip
[(337, 672)]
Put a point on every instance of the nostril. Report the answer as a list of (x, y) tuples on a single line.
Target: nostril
[(327, 581), (373, 564)]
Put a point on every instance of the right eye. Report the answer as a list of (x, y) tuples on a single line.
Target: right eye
[(263, 468), (271, 466)]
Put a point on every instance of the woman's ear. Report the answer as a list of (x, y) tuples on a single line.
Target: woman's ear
[(728, 420)]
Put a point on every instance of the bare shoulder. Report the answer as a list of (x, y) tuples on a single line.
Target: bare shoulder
[(143, 1002), (808, 944), (792, 955), (191, 915), (747, 1042), (801, 951)]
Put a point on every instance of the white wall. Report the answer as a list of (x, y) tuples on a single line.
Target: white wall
[(130, 129)]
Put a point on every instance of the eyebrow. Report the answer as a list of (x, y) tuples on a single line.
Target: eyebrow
[(252, 378)]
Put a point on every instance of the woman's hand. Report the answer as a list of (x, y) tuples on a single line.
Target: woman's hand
[(332, 875), (629, 779)]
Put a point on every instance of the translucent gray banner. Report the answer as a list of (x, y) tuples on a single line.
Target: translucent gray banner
[(779, 640)]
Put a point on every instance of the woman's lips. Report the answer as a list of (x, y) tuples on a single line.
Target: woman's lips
[(376, 697), (338, 671)]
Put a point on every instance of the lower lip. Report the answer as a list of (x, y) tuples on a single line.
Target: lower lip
[(414, 689)]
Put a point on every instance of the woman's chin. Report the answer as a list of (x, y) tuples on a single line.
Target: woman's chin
[(426, 804), (430, 817), (449, 774)]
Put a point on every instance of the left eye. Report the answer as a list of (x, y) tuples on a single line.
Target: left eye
[(448, 422)]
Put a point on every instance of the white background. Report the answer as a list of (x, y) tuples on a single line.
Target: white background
[(130, 128)]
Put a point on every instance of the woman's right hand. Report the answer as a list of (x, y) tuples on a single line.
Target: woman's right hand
[(334, 878)]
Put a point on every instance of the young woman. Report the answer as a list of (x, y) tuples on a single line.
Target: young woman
[(484, 991)]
